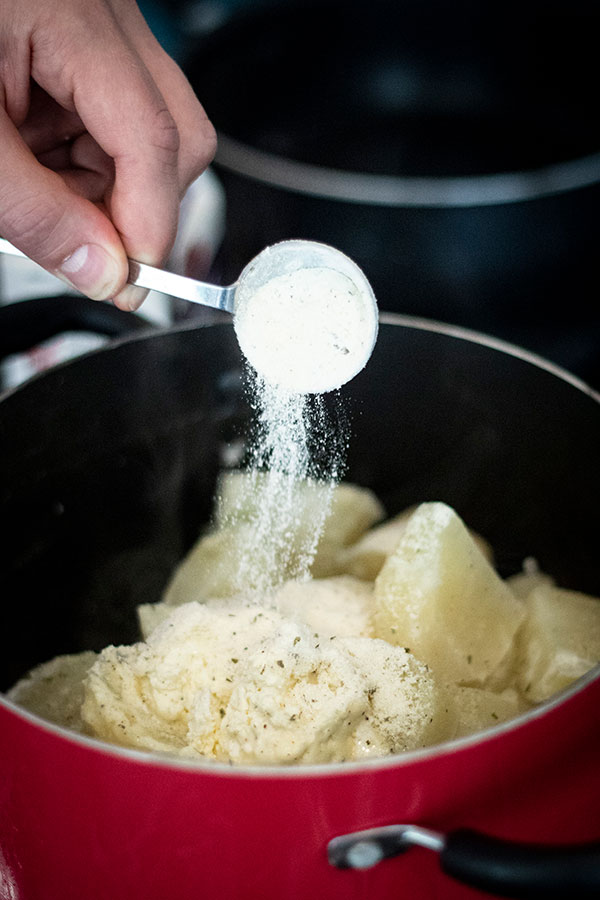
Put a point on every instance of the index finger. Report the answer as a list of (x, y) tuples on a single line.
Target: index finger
[(107, 84)]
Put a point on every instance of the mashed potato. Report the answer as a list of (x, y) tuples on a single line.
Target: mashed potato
[(253, 686)]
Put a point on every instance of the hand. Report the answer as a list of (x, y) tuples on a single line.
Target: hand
[(100, 135)]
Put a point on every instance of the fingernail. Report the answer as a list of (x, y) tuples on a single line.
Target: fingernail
[(91, 270), (130, 298)]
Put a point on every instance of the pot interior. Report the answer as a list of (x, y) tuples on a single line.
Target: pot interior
[(109, 466)]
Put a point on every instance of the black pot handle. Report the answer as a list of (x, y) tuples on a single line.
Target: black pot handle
[(513, 869), (499, 867), (26, 324)]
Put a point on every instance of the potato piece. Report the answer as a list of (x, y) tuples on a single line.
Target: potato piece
[(340, 606), (210, 569), (559, 640), (241, 493), (233, 562), (353, 510), (365, 558), (440, 597), (54, 690), (521, 584), (526, 581), (237, 496), (150, 615), (213, 567), (479, 709), (286, 518)]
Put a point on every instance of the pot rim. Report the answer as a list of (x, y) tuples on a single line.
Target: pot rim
[(488, 340), (406, 191), (301, 770), (385, 318)]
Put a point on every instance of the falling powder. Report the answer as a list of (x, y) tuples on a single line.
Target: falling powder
[(296, 455)]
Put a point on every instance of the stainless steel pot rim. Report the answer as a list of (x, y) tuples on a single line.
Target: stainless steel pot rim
[(398, 191), (312, 770)]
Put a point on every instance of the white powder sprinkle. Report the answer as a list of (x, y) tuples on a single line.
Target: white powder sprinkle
[(296, 456)]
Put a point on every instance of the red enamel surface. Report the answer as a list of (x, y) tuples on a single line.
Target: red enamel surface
[(80, 823)]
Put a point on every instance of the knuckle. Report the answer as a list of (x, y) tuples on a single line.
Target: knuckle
[(209, 142), (164, 134), (200, 149)]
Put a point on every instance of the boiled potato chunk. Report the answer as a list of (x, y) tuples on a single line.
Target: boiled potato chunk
[(210, 569), (438, 596), (353, 510), (151, 615), (523, 583), (238, 496), (339, 606), (365, 558), (479, 709), (241, 494), (559, 640)]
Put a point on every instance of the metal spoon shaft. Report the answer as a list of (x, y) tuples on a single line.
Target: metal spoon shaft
[(165, 282)]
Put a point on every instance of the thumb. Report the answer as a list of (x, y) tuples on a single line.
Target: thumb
[(63, 232)]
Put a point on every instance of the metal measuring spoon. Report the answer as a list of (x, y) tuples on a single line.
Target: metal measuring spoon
[(277, 261)]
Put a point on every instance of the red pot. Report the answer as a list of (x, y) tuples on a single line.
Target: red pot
[(112, 489)]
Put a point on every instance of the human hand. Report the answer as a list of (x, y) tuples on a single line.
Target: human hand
[(100, 135)]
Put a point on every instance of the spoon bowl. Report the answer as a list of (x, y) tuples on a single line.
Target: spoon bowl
[(305, 316)]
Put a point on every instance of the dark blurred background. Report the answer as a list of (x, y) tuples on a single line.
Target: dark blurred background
[(452, 149)]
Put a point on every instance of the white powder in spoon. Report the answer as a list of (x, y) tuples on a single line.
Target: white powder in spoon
[(307, 331)]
